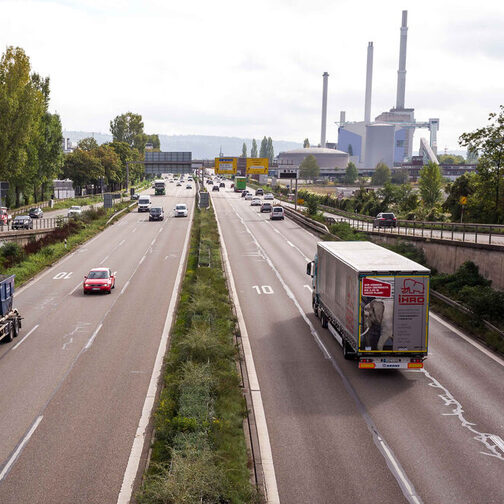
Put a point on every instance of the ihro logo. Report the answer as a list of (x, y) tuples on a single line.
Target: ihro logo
[(412, 293)]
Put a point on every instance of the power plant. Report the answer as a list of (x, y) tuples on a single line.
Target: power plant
[(389, 138)]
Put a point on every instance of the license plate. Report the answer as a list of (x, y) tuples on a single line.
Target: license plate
[(96, 288)]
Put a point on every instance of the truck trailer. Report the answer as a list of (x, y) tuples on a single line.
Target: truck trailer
[(374, 302), (10, 319), (240, 184)]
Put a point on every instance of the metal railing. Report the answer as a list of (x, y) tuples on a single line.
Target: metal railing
[(38, 224)]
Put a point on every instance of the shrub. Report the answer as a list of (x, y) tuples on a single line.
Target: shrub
[(11, 254)]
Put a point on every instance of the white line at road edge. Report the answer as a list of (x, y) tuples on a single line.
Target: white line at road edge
[(139, 440), (260, 417), (26, 336), (393, 464), (20, 447), (475, 344)]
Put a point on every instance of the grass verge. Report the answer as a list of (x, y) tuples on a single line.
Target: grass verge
[(199, 453), (92, 223)]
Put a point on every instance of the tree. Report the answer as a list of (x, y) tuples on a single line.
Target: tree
[(83, 168), (489, 143), (126, 128), (350, 150), (111, 163), (400, 176), (465, 185), (253, 151), (451, 159), (430, 184), (351, 173), (306, 143), (381, 174), (263, 151), (87, 144), (270, 153), (309, 168), (244, 150)]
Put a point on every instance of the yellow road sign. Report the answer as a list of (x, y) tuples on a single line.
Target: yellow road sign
[(226, 165), (463, 200), (257, 166)]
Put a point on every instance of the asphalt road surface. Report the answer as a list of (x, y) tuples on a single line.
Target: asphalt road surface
[(343, 435), (75, 380)]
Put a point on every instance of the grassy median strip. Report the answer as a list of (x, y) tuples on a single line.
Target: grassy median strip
[(25, 262), (199, 454)]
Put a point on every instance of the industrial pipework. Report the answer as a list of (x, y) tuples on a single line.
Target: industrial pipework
[(401, 73), (324, 110)]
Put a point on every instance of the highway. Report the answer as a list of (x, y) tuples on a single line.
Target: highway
[(76, 379), (340, 434)]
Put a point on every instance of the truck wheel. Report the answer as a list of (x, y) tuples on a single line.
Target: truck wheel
[(323, 320), (15, 327), (347, 353), (10, 334)]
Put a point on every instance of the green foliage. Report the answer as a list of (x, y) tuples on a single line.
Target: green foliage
[(465, 185), (408, 250), (263, 151), (309, 168), (487, 141), (311, 204), (270, 152), (400, 176), (244, 150), (451, 159), (466, 276), (351, 173), (350, 150), (11, 253), (381, 175), (306, 143), (430, 184), (253, 150), (87, 144), (345, 232)]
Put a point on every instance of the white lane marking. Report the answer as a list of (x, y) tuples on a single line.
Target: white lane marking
[(121, 242), (393, 464), (133, 230), (26, 336), (104, 259), (290, 244), (153, 241), (492, 442), (139, 439), (75, 288), (125, 287), (90, 342), (160, 229), (293, 246), (141, 260), (260, 417), (475, 344), (20, 447), (309, 287), (276, 230)]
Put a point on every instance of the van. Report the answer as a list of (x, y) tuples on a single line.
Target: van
[(144, 203)]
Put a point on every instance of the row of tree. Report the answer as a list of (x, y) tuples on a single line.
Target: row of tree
[(104, 166), (266, 150), (31, 154)]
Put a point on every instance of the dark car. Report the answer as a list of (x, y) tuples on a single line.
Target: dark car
[(22, 222), (135, 196), (244, 193), (266, 207), (385, 219), (215, 188), (36, 213), (222, 184), (259, 192), (156, 213)]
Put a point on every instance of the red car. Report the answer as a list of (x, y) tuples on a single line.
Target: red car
[(99, 280)]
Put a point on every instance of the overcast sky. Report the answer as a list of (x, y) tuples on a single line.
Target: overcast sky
[(249, 69)]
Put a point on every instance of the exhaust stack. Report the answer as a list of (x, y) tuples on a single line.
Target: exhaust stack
[(324, 110), (369, 83), (401, 73)]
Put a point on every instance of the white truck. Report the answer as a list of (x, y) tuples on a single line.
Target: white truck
[(10, 319), (374, 302)]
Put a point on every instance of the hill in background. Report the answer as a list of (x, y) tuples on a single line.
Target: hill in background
[(201, 146)]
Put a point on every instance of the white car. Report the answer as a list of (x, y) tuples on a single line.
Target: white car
[(256, 202), (248, 196), (74, 211), (269, 196), (180, 210), (188, 186)]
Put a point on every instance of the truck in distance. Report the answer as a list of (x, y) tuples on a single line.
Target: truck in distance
[(374, 302), (159, 187), (10, 319), (240, 183)]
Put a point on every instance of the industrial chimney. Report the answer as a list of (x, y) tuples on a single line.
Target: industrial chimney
[(369, 83), (324, 110), (401, 73)]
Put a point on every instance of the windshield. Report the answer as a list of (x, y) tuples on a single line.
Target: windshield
[(180, 207), (98, 274), (155, 210), (75, 208), (144, 201)]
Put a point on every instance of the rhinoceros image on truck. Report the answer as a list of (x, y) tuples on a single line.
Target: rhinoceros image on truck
[(375, 303)]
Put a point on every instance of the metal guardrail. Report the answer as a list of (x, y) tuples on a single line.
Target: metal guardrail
[(42, 224), (314, 225)]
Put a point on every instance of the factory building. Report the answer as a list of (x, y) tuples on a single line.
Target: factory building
[(389, 139), (331, 161)]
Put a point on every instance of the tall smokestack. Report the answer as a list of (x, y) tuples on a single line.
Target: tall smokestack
[(324, 111), (401, 73), (369, 83)]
